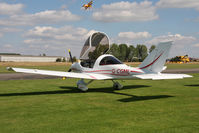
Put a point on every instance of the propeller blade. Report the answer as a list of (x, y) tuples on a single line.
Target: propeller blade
[(71, 58)]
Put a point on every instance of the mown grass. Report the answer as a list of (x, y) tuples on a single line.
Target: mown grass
[(54, 105), (183, 66)]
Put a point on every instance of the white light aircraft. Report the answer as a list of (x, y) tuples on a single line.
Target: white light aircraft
[(108, 67)]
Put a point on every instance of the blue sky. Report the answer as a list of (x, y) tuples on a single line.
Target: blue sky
[(53, 26)]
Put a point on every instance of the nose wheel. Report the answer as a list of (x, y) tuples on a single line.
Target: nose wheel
[(117, 85), (82, 85)]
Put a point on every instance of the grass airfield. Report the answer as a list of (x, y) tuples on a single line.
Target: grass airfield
[(55, 105)]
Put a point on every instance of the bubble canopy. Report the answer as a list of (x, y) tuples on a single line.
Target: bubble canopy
[(99, 42)]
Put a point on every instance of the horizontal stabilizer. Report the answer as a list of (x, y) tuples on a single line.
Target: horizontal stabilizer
[(162, 76)]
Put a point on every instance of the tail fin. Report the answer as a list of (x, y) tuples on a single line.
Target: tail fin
[(154, 62)]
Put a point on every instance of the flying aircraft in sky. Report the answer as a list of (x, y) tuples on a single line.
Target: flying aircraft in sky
[(108, 67), (88, 5)]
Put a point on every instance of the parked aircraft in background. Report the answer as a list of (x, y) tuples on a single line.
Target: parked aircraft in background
[(108, 67)]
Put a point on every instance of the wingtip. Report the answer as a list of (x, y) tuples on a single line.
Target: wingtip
[(188, 76), (9, 68)]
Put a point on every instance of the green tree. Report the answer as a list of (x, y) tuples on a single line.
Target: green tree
[(58, 60), (64, 59), (100, 49), (141, 52), (115, 50), (151, 48), (74, 59), (132, 52), (123, 52)]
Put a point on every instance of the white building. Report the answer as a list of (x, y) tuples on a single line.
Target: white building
[(23, 58)]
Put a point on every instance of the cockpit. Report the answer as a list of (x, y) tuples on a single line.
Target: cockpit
[(110, 60), (96, 45)]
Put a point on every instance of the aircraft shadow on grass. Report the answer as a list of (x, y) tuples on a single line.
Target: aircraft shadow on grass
[(132, 98), (194, 85), (70, 89)]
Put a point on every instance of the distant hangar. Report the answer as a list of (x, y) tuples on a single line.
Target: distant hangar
[(29, 58)]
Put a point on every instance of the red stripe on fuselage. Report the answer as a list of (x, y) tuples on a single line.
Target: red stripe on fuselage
[(109, 71), (115, 74), (136, 72), (98, 71), (151, 62)]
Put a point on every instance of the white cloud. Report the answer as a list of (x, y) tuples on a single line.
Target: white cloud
[(177, 38), (10, 9), (131, 37), (57, 40), (181, 44), (8, 46), (126, 12), (134, 35), (178, 4), (63, 33), (8, 30), (44, 17)]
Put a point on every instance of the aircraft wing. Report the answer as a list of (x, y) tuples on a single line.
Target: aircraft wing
[(162, 76), (62, 74)]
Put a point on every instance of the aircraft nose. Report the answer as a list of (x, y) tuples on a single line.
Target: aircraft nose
[(76, 66)]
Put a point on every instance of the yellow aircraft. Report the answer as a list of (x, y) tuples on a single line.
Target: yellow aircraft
[(88, 5)]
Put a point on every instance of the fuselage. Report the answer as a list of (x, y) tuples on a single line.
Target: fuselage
[(109, 65)]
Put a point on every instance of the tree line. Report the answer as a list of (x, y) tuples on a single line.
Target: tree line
[(124, 52)]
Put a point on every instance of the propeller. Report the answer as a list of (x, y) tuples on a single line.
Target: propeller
[(70, 56), (71, 59)]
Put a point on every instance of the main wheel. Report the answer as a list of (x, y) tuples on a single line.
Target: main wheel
[(117, 85)]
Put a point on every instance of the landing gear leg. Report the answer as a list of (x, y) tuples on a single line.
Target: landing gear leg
[(117, 85), (82, 85)]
